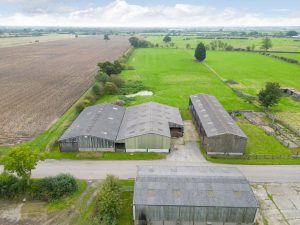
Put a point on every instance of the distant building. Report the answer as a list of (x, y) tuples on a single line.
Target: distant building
[(291, 91), (144, 128), (192, 196), (220, 134)]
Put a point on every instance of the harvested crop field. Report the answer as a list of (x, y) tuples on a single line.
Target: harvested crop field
[(40, 82)]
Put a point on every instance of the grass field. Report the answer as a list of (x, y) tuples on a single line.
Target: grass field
[(173, 75), (252, 71), (16, 41), (279, 44)]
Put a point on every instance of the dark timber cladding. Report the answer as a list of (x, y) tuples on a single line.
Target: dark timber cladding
[(220, 134), (95, 129), (169, 195)]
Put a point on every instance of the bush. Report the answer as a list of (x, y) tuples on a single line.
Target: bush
[(108, 201), (118, 81), (80, 106), (90, 98), (98, 89), (119, 102), (111, 88), (110, 68), (11, 186), (130, 68), (132, 86), (52, 188), (102, 77)]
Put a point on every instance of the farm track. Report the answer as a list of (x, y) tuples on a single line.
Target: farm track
[(38, 83)]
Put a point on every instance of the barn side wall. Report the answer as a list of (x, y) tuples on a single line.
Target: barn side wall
[(189, 215), (226, 144), (87, 143), (148, 141)]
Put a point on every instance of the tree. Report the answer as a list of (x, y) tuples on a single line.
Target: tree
[(102, 77), (167, 39), (200, 52), (188, 46), (111, 88), (108, 201), (97, 89), (266, 43), (134, 41), (270, 96), (22, 160), (110, 68), (106, 37), (291, 33), (118, 81)]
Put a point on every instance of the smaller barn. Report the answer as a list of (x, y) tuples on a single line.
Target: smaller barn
[(170, 195), (149, 127), (220, 134), (95, 129)]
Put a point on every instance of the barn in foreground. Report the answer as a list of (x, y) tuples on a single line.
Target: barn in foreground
[(148, 127), (192, 196), (219, 132)]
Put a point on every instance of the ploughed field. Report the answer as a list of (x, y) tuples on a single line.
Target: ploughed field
[(40, 82)]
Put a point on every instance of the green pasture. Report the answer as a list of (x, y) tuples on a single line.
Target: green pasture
[(252, 71), (279, 44), (173, 75)]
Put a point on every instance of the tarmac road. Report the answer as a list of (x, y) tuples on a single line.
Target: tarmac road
[(127, 169)]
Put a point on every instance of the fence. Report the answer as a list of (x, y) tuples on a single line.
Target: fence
[(257, 156)]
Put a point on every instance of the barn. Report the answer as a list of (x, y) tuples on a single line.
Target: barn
[(219, 132), (169, 195), (149, 127), (95, 129)]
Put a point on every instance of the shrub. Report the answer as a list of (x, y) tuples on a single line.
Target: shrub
[(111, 88), (97, 89), (119, 102), (108, 201), (91, 98), (132, 86), (102, 77), (80, 106), (52, 188), (130, 68), (110, 68), (231, 82), (118, 81), (11, 186)]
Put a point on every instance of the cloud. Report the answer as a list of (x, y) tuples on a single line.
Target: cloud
[(122, 14)]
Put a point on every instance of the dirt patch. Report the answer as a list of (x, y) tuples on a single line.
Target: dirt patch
[(38, 83)]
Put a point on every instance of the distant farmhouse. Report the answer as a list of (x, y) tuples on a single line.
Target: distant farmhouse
[(291, 91), (192, 196), (144, 128), (220, 134)]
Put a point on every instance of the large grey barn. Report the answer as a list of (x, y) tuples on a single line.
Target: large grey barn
[(220, 134), (95, 129), (143, 128), (192, 196)]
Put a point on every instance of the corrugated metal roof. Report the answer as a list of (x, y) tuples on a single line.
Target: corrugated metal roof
[(148, 118), (101, 121), (214, 118), (192, 186)]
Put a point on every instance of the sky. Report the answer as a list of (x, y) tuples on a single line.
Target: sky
[(154, 13)]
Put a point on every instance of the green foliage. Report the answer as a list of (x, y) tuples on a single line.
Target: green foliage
[(53, 188), (200, 52), (188, 46), (108, 201), (167, 39), (271, 95), (266, 43), (132, 86), (140, 43), (80, 106), (291, 33), (110, 68), (118, 81), (102, 77), (111, 88), (22, 160), (98, 89), (90, 98), (11, 186)]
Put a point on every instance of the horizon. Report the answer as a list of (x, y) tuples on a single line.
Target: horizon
[(142, 14)]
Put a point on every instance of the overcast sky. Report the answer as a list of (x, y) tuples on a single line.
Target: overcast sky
[(154, 13)]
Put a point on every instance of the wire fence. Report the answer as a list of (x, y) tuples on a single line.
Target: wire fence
[(258, 156)]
